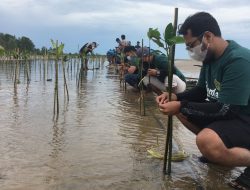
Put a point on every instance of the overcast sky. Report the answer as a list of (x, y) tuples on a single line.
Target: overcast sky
[(75, 22)]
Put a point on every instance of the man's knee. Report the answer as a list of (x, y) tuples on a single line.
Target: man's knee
[(210, 144)]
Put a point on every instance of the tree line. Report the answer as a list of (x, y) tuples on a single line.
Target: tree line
[(23, 44)]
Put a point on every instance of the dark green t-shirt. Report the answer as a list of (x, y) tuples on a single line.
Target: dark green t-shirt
[(161, 62), (227, 80)]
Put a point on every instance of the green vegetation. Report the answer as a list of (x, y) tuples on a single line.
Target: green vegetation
[(168, 40), (10, 43), (2, 50), (58, 53)]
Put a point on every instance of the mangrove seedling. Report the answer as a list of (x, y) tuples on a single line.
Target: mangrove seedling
[(167, 42), (58, 53)]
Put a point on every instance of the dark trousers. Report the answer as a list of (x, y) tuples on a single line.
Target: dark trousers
[(132, 79)]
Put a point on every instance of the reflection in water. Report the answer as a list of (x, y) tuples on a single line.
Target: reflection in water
[(56, 161), (99, 141)]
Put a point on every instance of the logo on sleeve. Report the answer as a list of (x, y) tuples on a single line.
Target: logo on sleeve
[(217, 84), (212, 93)]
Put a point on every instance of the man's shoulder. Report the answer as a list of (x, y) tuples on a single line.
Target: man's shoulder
[(160, 58), (238, 51), (235, 53)]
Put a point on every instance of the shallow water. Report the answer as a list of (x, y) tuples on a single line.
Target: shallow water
[(100, 140)]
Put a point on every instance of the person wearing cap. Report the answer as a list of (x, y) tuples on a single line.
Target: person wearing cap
[(111, 54), (84, 51), (217, 109), (157, 72), (132, 77), (137, 46)]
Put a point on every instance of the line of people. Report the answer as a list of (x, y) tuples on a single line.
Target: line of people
[(139, 63), (217, 109), (154, 70), (115, 56)]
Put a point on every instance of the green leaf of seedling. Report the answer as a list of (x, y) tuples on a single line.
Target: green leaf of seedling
[(169, 32), (154, 33), (177, 40), (137, 62), (60, 49), (158, 42), (56, 48)]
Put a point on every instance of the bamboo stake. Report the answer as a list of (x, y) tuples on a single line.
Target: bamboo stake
[(65, 81), (142, 102), (168, 147)]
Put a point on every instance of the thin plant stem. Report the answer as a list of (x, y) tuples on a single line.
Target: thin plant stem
[(168, 147)]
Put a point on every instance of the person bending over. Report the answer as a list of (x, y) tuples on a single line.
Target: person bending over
[(84, 51), (157, 72)]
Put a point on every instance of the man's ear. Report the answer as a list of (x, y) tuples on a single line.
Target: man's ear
[(208, 37)]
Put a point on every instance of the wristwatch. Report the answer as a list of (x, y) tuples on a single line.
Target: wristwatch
[(158, 73)]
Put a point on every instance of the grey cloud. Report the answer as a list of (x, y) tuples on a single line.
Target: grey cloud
[(198, 4)]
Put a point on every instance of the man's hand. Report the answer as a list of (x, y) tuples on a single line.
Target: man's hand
[(152, 72), (170, 108), (164, 98)]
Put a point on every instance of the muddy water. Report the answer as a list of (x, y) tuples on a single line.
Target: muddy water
[(100, 140)]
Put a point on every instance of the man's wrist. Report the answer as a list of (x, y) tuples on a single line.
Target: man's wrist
[(183, 104), (158, 73)]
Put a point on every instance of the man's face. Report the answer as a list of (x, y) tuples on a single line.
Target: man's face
[(146, 58), (205, 39), (131, 54), (191, 41), (128, 53)]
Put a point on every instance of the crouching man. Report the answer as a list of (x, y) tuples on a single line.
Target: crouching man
[(222, 124)]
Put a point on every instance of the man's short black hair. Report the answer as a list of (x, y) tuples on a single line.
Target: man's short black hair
[(117, 40), (123, 37), (199, 23)]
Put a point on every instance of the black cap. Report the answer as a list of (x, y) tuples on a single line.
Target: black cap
[(129, 48), (143, 51)]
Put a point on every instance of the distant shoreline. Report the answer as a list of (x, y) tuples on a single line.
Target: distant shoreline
[(188, 67)]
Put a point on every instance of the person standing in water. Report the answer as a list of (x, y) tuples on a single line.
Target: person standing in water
[(85, 50)]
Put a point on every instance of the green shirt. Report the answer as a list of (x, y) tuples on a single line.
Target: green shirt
[(161, 62), (227, 79)]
